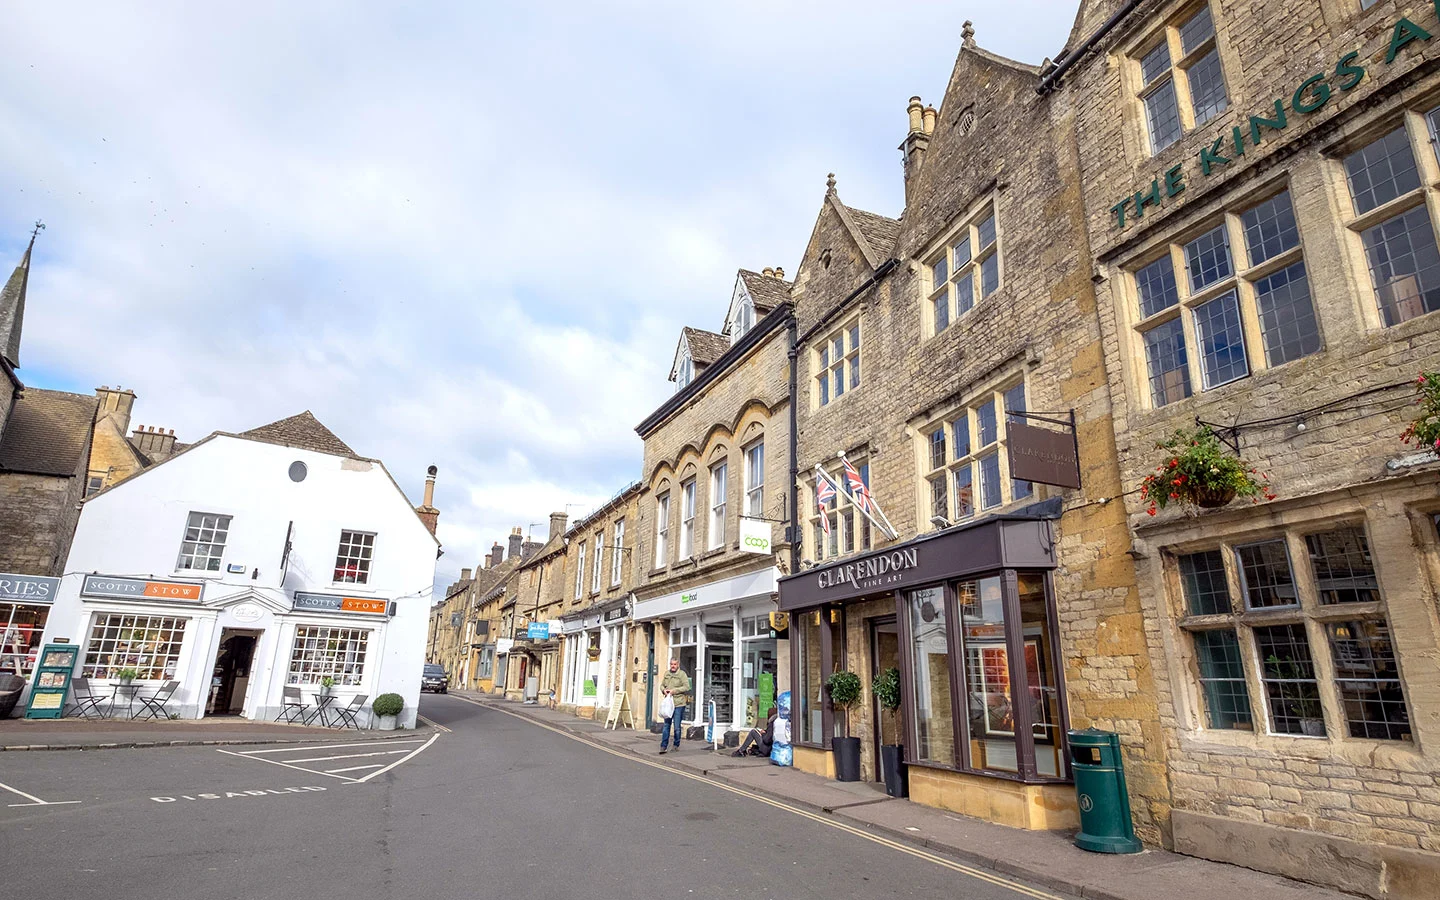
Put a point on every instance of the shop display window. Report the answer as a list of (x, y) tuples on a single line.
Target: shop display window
[(21, 628), (148, 644), (320, 651), (930, 648)]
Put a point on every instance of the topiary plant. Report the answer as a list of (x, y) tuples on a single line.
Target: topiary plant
[(887, 690), (388, 705), (844, 690)]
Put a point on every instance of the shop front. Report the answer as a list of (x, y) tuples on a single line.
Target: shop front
[(25, 602), (728, 641), (232, 650), (593, 657), (968, 618)]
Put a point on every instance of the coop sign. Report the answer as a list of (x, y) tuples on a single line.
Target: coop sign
[(1309, 97)]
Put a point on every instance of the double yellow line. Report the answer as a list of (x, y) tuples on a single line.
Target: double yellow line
[(941, 861)]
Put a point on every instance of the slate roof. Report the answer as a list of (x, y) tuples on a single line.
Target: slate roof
[(12, 309), (303, 432), (48, 432), (880, 232), (767, 292), (705, 346)]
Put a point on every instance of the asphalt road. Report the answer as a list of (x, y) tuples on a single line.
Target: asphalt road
[(495, 808)]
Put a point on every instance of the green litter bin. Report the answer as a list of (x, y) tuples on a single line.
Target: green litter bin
[(1105, 825)]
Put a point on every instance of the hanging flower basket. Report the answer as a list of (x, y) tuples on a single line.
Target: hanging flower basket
[(1424, 431), (1197, 470)]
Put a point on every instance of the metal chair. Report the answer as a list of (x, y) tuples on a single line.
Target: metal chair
[(345, 715), (87, 704), (293, 705), (155, 707)]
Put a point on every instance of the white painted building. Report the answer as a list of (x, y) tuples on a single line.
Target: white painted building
[(249, 562)]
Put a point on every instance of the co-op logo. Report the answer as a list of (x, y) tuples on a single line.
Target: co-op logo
[(761, 542)]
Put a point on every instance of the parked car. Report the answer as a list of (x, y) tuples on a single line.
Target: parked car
[(435, 679)]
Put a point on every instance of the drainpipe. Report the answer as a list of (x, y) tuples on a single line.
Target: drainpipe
[(792, 534), (1052, 78)]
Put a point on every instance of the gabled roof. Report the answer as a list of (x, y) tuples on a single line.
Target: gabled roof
[(48, 432), (705, 346), (766, 291), (12, 309), (303, 432), (878, 231)]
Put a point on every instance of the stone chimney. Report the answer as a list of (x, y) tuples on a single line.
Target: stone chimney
[(464, 574), (155, 443), (779, 273), (529, 549), (517, 537), (497, 555), (557, 524), (427, 511), (916, 142), (118, 403)]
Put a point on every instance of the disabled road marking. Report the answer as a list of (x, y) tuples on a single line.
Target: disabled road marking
[(379, 768), (276, 762), (308, 747), (229, 794), (352, 769), (34, 800), (346, 756)]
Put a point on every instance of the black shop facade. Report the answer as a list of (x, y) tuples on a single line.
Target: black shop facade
[(967, 616)]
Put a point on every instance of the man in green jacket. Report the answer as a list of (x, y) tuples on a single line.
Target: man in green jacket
[(676, 684)]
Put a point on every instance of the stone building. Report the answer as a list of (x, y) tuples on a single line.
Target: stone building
[(447, 641), (715, 467), (932, 352), (595, 617), (1258, 184), (536, 595)]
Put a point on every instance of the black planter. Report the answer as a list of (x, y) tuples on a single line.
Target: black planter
[(847, 758), (892, 763)]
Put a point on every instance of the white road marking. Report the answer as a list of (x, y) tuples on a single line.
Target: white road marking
[(308, 747), (265, 793), (345, 756), (34, 800), (403, 759), (352, 769), (432, 723), (275, 762)]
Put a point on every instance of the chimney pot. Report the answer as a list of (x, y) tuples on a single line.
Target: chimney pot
[(768, 272), (916, 109), (779, 272), (930, 116)]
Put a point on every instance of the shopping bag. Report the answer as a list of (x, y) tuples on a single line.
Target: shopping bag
[(667, 706)]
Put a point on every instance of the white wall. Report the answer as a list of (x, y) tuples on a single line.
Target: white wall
[(135, 529)]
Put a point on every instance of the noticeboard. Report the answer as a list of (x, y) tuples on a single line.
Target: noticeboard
[(52, 681)]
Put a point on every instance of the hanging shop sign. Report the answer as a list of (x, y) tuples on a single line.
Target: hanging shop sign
[(538, 631), (334, 603), (615, 615), (1043, 456), (503, 646), (1309, 97), (755, 535), (28, 588), (112, 587)]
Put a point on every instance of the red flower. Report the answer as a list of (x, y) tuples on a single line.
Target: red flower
[(1174, 463), (1174, 496), (1150, 511)]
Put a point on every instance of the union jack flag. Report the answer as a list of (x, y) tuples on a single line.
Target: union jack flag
[(858, 490), (824, 493)]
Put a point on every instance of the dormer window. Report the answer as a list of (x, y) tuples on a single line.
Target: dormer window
[(684, 371), (744, 319)]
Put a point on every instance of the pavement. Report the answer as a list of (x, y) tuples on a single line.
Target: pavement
[(123, 733), (1048, 859)]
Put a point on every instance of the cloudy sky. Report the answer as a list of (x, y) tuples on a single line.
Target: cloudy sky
[(464, 234)]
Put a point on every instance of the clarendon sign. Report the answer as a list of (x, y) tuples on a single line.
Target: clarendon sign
[(1309, 97), (874, 572)]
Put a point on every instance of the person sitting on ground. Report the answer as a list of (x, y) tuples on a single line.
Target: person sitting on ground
[(758, 742)]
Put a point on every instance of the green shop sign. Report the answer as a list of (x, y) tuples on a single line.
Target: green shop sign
[(1309, 97)]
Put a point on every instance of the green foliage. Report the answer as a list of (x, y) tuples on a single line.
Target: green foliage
[(1198, 470), (1424, 431), (327, 682), (844, 689), (388, 705), (127, 674), (887, 689)]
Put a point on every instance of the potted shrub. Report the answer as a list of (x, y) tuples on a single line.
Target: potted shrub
[(892, 756), (1198, 470), (127, 676), (327, 684), (844, 690), (1423, 432), (386, 708)]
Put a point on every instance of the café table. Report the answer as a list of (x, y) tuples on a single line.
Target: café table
[(322, 700), (131, 690)]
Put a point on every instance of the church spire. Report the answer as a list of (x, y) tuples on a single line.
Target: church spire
[(12, 304)]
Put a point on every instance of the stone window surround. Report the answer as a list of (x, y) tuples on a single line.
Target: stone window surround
[(863, 540), (1135, 87), (1240, 280), (970, 401), (618, 552), (968, 224), (1226, 531), (825, 397)]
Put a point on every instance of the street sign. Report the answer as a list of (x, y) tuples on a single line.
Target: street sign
[(538, 631), (755, 535)]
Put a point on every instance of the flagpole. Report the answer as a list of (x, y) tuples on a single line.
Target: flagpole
[(883, 523)]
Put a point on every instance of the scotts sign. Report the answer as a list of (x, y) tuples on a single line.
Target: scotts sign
[(113, 587), (1309, 97), (333, 603)]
